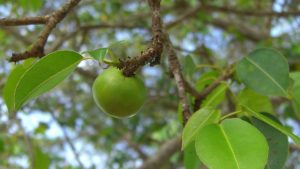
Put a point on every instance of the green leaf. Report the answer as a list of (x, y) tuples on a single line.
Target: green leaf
[(98, 54), (198, 120), (189, 66), (277, 126), (2, 148), (40, 159), (278, 142), (190, 158), (265, 71), (233, 144), (216, 96), (12, 81), (206, 79), (255, 101), (40, 77), (296, 92)]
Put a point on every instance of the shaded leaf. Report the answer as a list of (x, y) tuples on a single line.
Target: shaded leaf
[(265, 71), (295, 90), (40, 159), (278, 142), (272, 123), (206, 79)]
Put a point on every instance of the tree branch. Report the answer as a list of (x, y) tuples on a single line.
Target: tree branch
[(24, 21), (179, 79), (37, 49), (254, 12), (152, 54)]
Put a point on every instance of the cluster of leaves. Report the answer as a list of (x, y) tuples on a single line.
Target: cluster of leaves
[(234, 143)]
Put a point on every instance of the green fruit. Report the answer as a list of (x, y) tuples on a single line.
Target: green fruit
[(118, 95)]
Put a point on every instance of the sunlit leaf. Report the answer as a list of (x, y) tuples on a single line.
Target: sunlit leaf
[(98, 54), (198, 120), (40, 77), (12, 81), (216, 96), (255, 101), (190, 158), (233, 144)]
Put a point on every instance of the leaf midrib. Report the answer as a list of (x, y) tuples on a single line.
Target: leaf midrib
[(230, 147), (267, 74)]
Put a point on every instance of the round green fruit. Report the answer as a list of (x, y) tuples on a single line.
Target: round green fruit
[(118, 95)]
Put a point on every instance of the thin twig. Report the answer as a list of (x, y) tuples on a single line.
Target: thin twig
[(68, 140), (180, 82)]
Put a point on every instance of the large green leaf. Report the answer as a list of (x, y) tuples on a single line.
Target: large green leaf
[(266, 71), (272, 123), (278, 142), (233, 144), (216, 96), (255, 101), (198, 120), (40, 77), (190, 158)]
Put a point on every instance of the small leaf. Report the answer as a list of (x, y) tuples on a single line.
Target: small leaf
[(265, 71), (206, 79), (189, 66), (40, 159), (255, 101), (277, 126), (278, 142), (233, 144), (295, 90), (216, 96), (98, 54), (190, 158), (198, 120), (40, 77)]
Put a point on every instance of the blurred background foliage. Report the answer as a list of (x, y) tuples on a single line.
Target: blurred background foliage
[(64, 128)]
